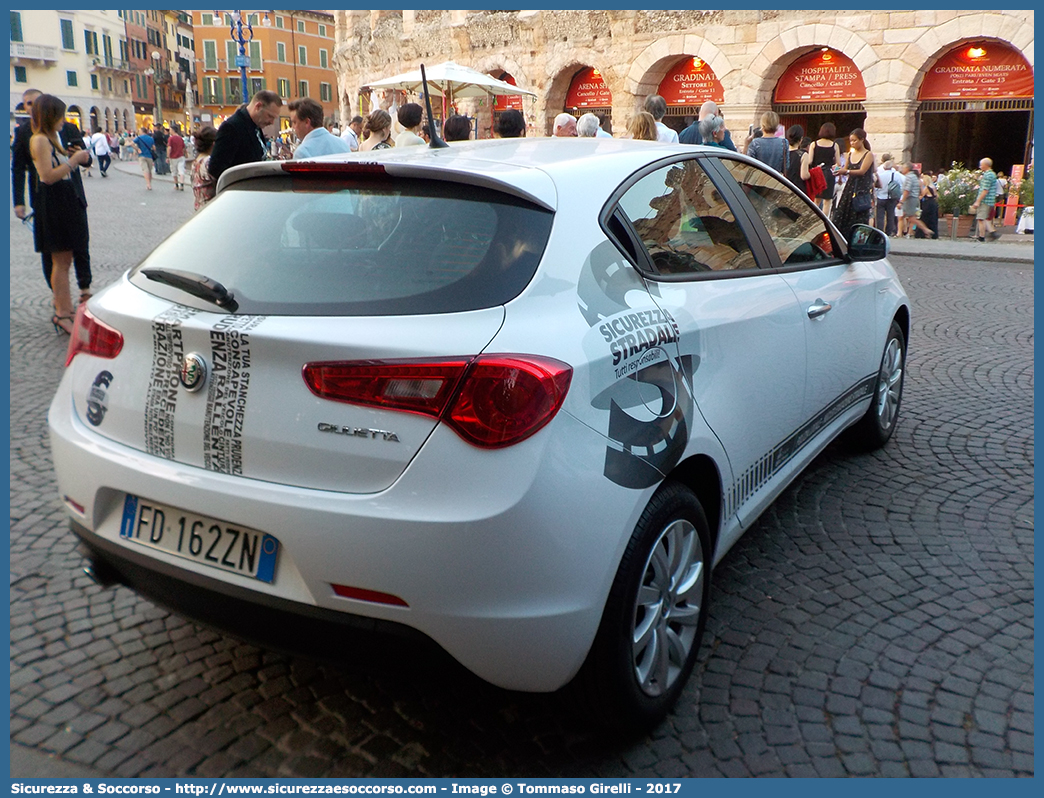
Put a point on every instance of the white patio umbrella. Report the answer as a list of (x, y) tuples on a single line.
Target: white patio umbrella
[(450, 80)]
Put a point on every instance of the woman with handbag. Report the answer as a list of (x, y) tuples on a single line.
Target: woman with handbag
[(60, 210), (204, 185), (857, 197)]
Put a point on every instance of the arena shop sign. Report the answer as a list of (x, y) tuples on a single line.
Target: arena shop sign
[(588, 90)]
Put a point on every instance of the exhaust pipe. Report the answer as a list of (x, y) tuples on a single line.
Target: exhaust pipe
[(101, 573)]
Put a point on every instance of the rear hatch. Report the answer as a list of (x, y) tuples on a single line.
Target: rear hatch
[(277, 273)]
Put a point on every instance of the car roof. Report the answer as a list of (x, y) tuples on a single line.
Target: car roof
[(536, 169)]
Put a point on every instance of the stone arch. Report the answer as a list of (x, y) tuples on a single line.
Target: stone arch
[(560, 74), (95, 118), (74, 110), (651, 64), (934, 43), (108, 119), (560, 71), (493, 64), (756, 83)]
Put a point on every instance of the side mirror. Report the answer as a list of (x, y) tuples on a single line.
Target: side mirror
[(867, 243)]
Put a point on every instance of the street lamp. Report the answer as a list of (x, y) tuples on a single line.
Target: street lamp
[(242, 36), (155, 86)]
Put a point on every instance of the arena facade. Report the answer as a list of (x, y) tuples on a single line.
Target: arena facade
[(931, 86)]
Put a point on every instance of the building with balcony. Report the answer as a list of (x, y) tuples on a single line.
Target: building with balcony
[(183, 62), (290, 53), (148, 57), (79, 56)]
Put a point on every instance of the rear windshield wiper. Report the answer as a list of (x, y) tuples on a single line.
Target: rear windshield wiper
[(195, 284)]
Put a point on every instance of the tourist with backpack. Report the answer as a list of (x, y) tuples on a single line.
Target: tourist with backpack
[(887, 192)]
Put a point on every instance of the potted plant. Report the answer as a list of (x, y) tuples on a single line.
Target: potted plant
[(957, 189)]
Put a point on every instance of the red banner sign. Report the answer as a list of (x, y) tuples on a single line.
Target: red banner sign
[(979, 70), (588, 90), (501, 102), (821, 76), (691, 82)]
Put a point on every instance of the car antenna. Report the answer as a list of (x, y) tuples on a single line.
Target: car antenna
[(436, 141)]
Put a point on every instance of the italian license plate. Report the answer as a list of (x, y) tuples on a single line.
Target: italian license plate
[(200, 539)]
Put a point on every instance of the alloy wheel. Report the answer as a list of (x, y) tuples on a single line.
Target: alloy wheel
[(667, 608)]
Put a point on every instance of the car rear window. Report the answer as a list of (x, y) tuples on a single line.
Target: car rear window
[(357, 247)]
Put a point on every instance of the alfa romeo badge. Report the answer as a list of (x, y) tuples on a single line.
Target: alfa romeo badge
[(193, 372)]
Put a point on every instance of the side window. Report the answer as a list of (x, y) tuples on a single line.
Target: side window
[(798, 233), (684, 222)]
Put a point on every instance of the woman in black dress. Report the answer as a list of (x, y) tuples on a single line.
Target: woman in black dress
[(60, 225), (859, 167), (826, 153), (797, 165), (929, 206)]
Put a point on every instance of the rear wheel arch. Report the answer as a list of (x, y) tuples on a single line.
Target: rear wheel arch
[(700, 474)]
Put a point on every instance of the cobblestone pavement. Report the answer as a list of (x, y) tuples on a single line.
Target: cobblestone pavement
[(878, 620)]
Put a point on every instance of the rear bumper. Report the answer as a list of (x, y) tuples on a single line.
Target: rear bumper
[(504, 558), (266, 620)]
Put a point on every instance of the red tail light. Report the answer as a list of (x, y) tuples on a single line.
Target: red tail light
[(92, 337), (491, 401)]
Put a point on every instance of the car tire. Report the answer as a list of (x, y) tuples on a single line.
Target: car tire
[(874, 429), (653, 620)]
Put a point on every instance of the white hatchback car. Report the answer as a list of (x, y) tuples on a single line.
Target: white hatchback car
[(519, 395)]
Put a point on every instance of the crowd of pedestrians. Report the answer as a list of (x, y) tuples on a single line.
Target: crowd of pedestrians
[(50, 153)]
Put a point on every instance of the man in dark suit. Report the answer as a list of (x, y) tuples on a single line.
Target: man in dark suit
[(22, 164), (239, 139)]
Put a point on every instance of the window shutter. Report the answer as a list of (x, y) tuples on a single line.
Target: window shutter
[(231, 51), (68, 41), (210, 55), (255, 55)]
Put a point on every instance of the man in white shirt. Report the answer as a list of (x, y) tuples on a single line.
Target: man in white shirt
[(352, 132), (657, 106), (306, 119), (887, 197), (99, 145)]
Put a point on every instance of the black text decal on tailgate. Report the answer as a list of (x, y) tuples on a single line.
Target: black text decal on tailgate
[(227, 394), (161, 400)]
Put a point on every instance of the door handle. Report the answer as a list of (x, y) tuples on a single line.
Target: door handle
[(818, 308)]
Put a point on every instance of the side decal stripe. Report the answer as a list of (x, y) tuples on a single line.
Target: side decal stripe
[(755, 477)]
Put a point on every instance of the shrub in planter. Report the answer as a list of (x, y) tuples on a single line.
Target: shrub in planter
[(958, 188)]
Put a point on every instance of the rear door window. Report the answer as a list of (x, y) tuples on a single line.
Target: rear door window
[(685, 223), (365, 246)]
